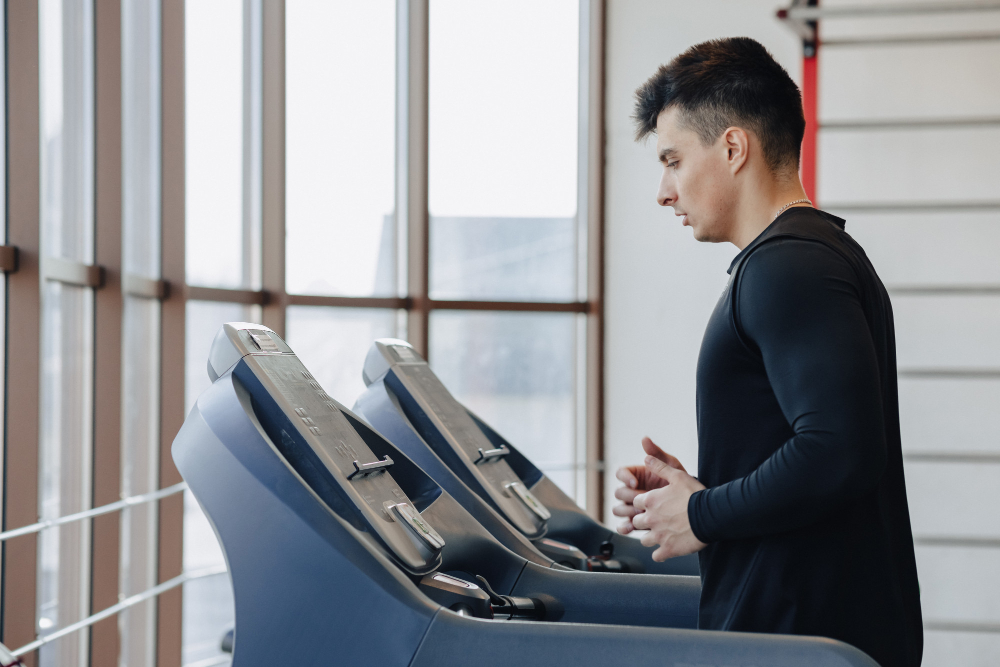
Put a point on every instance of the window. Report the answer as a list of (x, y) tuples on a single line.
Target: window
[(503, 164), (316, 166), (340, 144), (214, 143)]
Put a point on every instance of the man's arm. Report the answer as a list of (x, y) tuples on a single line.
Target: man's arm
[(797, 303)]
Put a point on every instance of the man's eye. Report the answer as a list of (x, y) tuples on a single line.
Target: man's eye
[(672, 164)]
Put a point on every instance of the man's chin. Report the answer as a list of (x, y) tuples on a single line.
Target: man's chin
[(703, 236)]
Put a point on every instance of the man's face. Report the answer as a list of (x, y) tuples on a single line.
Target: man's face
[(697, 181)]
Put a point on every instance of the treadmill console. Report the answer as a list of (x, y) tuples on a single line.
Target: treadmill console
[(484, 462), (293, 409)]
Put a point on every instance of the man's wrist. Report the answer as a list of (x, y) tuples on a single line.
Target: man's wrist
[(695, 515)]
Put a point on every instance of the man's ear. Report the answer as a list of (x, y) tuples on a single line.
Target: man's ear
[(737, 145)]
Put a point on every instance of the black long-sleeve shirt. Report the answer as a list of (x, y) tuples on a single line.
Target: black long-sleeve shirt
[(805, 513)]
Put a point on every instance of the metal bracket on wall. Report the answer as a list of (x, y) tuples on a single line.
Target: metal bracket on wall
[(803, 26), (145, 288), (71, 272), (8, 258)]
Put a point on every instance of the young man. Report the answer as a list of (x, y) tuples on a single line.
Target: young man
[(799, 510)]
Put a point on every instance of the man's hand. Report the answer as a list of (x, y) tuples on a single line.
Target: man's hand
[(639, 479), (664, 512)]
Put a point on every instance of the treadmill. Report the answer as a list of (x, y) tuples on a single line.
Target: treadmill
[(341, 550), (407, 402)]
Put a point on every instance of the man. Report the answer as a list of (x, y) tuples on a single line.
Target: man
[(799, 510)]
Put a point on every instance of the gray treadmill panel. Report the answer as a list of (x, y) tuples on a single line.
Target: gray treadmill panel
[(461, 432), (334, 440)]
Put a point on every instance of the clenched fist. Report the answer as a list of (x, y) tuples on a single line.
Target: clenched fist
[(655, 498)]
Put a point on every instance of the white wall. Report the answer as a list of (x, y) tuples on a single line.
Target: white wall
[(661, 285)]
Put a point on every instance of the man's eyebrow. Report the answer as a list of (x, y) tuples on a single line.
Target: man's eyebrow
[(667, 153)]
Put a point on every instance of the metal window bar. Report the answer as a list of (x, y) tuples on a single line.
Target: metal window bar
[(124, 604), (131, 501)]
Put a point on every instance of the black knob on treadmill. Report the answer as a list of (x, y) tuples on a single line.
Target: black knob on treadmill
[(607, 549), (227, 640)]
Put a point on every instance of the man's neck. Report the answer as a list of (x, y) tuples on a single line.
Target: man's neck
[(759, 207)]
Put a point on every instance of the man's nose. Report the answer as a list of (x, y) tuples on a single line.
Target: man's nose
[(665, 196)]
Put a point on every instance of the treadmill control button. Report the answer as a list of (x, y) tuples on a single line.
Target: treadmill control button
[(529, 499), (411, 517)]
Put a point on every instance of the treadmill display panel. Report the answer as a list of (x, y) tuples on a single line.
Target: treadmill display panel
[(367, 480), (483, 461)]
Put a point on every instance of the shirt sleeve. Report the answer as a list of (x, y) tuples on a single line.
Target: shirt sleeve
[(798, 303)]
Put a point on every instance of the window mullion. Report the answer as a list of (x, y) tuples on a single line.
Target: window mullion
[(593, 13), (411, 184), (272, 191), (107, 328), (24, 307), (172, 324)]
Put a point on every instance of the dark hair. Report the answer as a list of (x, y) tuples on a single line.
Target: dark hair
[(724, 83)]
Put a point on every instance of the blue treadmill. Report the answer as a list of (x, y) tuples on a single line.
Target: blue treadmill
[(341, 550), (407, 402)]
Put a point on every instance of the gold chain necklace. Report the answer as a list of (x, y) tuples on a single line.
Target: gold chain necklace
[(791, 203)]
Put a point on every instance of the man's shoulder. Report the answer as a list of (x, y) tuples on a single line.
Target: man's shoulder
[(786, 261), (802, 241), (807, 223)]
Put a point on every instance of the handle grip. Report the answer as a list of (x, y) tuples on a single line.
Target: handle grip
[(490, 454), (368, 468)]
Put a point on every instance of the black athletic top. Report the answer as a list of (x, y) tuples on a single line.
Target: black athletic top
[(805, 513)]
